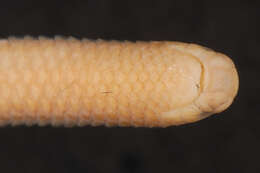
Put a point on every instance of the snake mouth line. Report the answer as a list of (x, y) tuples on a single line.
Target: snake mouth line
[(200, 86), (203, 113)]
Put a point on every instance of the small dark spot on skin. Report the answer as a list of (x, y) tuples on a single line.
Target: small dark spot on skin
[(198, 86), (107, 92)]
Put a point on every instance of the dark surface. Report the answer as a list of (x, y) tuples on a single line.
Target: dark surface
[(227, 142)]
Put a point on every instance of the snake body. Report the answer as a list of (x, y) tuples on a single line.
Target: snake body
[(66, 81)]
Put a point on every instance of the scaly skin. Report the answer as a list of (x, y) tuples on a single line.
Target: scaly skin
[(152, 84)]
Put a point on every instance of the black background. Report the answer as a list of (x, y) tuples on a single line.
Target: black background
[(226, 142)]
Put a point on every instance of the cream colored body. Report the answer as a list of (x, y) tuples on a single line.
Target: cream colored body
[(71, 82)]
